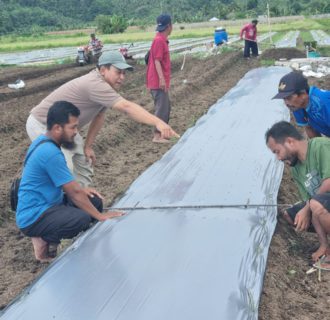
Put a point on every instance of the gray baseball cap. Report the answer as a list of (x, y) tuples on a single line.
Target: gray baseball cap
[(116, 59)]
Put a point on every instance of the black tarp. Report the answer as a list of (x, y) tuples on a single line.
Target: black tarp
[(188, 263)]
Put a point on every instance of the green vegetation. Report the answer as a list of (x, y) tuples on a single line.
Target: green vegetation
[(278, 36), (306, 36), (35, 16), (13, 43), (324, 51), (267, 63), (111, 24)]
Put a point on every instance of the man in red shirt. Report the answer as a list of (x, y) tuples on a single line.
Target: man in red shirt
[(159, 72), (250, 36)]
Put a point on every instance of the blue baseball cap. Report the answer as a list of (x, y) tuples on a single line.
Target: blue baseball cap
[(291, 83), (163, 21)]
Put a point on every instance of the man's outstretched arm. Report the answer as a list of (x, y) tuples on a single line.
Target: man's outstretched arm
[(79, 196), (139, 114)]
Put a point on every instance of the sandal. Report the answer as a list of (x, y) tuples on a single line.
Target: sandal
[(52, 250), (323, 263)]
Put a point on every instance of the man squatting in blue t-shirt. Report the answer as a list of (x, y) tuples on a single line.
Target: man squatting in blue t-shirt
[(310, 106), (43, 212)]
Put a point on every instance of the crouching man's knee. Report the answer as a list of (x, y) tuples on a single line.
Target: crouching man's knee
[(319, 205)]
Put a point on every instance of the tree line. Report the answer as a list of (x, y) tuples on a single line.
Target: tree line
[(31, 16)]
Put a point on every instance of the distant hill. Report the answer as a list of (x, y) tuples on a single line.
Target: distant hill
[(40, 15)]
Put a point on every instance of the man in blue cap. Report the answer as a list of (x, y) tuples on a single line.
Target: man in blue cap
[(309, 105), (159, 72)]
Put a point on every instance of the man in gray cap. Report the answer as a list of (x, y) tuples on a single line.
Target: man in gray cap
[(159, 73), (93, 93), (310, 106)]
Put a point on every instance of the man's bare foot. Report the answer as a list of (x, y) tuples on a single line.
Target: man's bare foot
[(40, 249), (160, 140), (321, 251)]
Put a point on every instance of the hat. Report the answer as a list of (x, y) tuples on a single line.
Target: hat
[(220, 29), (114, 58), (162, 22), (291, 83)]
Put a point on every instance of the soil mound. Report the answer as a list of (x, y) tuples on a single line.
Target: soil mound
[(282, 53)]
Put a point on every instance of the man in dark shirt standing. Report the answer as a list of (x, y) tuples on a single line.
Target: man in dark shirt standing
[(159, 72)]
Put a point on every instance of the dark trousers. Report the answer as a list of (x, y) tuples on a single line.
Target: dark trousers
[(250, 45), (322, 198), (62, 221), (162, 104)]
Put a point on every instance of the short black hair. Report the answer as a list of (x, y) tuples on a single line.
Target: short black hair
[(282, 130), (60, 112)]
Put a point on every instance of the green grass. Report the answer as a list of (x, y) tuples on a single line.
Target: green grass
[(278, 36), (325, 23), (267, 63), (12, 43), (324, 51), (306, 36)]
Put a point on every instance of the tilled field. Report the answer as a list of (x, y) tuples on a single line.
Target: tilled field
[(124, 150)]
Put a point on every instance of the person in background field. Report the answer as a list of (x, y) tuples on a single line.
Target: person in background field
[(43, 212), (220, 36), (95, 44), (159, 73), (310, 106), (310, 168), (93, 94), (249, 34)]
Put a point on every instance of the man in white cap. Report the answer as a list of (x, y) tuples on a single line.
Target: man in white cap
[(159, 73), (93, 93)]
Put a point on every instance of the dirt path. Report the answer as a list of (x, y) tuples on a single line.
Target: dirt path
[(124, 150)]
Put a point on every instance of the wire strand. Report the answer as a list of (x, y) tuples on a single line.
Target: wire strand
[(218, 206)]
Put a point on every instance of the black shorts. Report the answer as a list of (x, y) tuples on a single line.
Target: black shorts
[(323, 199), (63, 221)]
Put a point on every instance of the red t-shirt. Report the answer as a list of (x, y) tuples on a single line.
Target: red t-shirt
[(250, 31), (159, 51)]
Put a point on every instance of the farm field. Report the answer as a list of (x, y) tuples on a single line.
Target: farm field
[(74, 38), (124, 150)]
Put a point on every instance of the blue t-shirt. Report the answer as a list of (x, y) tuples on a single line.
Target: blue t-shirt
[(317, 113), (44, 174)]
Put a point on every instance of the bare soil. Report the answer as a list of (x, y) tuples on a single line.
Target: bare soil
[(124, 150)]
